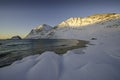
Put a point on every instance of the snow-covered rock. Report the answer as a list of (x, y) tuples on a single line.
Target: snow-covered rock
[(38, 32)]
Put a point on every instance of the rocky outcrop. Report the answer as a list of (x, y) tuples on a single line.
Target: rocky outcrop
[(16, 37)]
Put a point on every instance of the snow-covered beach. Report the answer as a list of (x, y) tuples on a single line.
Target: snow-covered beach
[(98, 61)]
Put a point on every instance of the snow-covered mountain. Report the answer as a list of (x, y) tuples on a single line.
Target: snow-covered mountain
[(96, 18), (85, 28), (76, 27), (39, 31)]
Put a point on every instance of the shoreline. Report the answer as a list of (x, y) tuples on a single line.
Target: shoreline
[(77, 44)]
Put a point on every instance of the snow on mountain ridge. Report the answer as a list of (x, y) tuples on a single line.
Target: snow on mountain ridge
[(74, 21), (43, 26), (96, 18)]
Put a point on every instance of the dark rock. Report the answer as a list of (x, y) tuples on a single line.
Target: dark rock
[(16, 37), (93, 38)]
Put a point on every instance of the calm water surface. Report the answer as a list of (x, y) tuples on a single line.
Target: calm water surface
[(12, 50)]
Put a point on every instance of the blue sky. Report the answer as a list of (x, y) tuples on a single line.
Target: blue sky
[(18, 17)]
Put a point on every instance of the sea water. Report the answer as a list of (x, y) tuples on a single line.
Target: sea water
[(12, 50)]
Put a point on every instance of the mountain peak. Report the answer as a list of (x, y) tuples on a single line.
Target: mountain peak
[(40, 27), (73, 21), (39, 31)]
